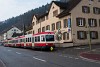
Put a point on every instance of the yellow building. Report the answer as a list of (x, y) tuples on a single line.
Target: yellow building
[(76, 19)]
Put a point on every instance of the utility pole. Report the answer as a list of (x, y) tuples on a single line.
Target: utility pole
[(89, 38)]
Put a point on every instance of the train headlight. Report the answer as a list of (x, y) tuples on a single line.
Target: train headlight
[(46, 44)]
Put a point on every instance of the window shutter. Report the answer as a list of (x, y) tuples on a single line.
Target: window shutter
[(60, 24), (64, 36), (83, 9), (99, 22), (78, 36), (99, 10), (85, 35), (94, 10), (84, 21), (96, 35), (57, 25), (88, 9), (95, 23), (77, 21), (89, 22)]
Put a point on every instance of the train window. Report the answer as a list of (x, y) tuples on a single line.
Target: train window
[(42, 38), (38, 38), (35, 39), (32, 39), (20, 40), (23, 40), (16, 41), (28, 39), (49, 37)]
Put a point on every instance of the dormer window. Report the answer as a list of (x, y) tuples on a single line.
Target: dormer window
[(85, 9), (33, 23), (55, 13), (53, 7)]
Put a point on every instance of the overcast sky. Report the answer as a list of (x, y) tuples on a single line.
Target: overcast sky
[(12, 8)]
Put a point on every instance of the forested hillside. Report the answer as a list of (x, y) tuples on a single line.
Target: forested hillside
[(25, 18)]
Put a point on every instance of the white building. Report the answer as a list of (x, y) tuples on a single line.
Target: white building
[(10, 32)]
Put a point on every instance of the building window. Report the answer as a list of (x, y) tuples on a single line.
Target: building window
[(48, 27), (81, 35), (37, 22), (53, 26), (55, 13), (80, 22), (14, 30), (65, 23), (58, 25), (39, 30), (92, 22), (33, 24), (96, 10), (94, 34), (85, 9), (65, 36), (43, 29)]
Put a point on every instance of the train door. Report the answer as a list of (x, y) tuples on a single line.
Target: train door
[(33, 42)]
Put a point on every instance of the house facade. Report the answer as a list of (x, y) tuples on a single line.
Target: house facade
[(77, 22), (10, 32)]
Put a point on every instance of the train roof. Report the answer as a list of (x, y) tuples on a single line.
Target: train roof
[(21, 36), (43, 33), (29, 35)]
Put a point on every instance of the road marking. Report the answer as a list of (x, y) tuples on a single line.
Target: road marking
[(65, 56), (70, 57), (60, 55), (76, 58), (78, 48), (2, 63), (9, 50), (39, 59), (18, 53)]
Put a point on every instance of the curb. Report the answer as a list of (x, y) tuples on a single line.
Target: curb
[(90, 60)]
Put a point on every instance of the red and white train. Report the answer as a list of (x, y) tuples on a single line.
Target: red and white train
[(43, 40)]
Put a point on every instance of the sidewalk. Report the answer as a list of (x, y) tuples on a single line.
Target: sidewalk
[(82, 51), (91, 55)]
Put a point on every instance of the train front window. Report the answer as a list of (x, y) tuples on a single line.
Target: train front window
[(49, 37)]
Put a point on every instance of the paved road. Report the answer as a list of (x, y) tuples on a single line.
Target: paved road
[(17, 57)]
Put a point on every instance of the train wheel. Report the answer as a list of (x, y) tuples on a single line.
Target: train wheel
[(51, 48)]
